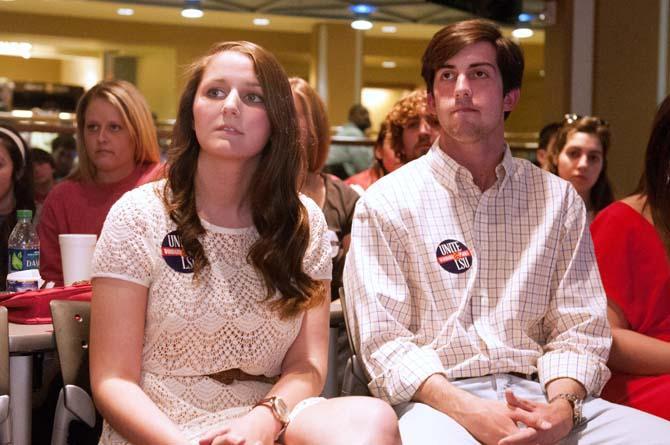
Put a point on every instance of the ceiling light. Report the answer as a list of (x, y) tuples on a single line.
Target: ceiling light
[(192, 9), (389, 64), (20, 49), (361, 24), (525, 17), (389, 28), (125, 11), (261, 21), (362, 9), (522, 33), (24, 114)]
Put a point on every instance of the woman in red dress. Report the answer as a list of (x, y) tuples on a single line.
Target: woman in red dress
[(632, 242)]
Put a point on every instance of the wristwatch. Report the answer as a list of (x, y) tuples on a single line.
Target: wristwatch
[(576, 402), (279, 410)]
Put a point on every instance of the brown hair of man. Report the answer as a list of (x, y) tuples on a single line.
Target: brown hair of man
[(280, 218), (451, 39)]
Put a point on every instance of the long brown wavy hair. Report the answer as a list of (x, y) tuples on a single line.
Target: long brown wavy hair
[(279, 217), (655, 181)]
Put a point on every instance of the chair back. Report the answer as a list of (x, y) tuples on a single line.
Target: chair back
[(71, 321), (355, 379)]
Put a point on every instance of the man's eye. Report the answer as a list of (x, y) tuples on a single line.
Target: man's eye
[(480, 74), (447, 75), (413, 123)]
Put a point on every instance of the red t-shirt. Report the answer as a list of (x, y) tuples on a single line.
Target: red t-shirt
[(635, 271), (363, 179), (80, 207)]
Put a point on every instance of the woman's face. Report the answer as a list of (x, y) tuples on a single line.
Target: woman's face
[(581, 161), (108, 143), (387, 155), (6, 171), (230, 120)]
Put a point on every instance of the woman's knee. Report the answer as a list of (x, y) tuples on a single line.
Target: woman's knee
[(377, 423)]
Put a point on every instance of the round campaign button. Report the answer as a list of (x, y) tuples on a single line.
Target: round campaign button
[(174, 255), (453, 256)]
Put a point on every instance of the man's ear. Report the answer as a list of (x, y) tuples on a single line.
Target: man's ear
[(430, 103), (511, 99)]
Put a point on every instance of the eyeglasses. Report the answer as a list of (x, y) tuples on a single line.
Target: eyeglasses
[(572, 118)]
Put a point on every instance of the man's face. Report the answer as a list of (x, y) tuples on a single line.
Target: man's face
[(64, 160), (468, 99), (361, 118), (418, 134)]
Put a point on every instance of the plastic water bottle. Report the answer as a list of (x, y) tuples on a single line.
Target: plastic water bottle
[(23, 244)]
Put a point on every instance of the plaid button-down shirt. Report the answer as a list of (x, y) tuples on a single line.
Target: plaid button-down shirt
[(442, 278)]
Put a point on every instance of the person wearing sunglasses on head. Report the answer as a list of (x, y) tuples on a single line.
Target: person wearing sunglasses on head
[(632, 243), (579, 155)]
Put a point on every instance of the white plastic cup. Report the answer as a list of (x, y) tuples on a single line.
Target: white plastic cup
[(76, 254)]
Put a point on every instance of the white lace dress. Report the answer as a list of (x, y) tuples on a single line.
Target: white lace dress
[(196, 329)]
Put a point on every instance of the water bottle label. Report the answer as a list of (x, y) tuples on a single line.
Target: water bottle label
[(23, 259)]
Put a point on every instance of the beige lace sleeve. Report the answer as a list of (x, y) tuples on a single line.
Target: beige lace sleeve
[(317, 263), (123, 250)]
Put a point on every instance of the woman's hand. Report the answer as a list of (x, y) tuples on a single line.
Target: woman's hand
[(258, 427)]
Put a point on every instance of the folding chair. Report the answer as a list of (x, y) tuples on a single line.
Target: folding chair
[(355, 381), (5, 422), (71, 327)]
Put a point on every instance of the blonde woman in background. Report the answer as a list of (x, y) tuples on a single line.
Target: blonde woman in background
[(117, 150)]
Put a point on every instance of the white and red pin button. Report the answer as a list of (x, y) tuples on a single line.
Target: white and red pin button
[(453, 256), (174, 255)]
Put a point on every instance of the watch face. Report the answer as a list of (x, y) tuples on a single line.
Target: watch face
[(280, 408)]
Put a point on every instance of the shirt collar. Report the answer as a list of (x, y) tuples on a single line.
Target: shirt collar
[(452, 175)]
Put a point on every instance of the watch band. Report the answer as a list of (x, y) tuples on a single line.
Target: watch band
[(279, 410), (576, 403)]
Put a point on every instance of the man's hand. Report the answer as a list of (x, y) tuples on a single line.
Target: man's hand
[(558, 415), (491, 421)]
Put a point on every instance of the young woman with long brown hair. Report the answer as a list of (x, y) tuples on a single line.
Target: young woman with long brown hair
[(578, 154), (632, 242), (210, 292)]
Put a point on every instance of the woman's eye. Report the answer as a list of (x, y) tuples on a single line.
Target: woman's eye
[(254, 98), (92, 127), (216, 92), (115, 127)]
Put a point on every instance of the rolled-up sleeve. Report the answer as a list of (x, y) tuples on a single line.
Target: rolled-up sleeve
[(578, 337), (382, 309)]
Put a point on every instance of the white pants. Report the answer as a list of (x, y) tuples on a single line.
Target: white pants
[(607, 423)]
